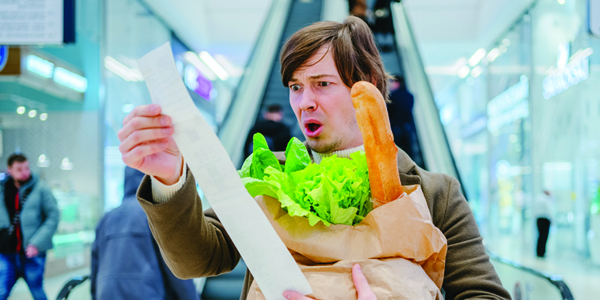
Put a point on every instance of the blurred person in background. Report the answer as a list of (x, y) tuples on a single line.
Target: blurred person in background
[(126, 261), (28, 219), (276, 133), (401, 116), (542, 210)]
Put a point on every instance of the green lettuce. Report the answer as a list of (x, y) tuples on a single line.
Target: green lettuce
[(336, 191)]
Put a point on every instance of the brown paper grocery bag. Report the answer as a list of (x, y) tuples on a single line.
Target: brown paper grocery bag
[(396, 244)]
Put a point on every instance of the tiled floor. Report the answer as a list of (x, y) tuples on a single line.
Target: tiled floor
[(52, 286), (582, 277)]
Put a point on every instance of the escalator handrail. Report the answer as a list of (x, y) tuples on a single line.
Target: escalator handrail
[(555, 280), (246, 99), (449, 168)]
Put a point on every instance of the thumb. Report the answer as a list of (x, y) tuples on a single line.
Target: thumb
[(362, 286)]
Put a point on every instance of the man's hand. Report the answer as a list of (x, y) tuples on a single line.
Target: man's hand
[(147, 144), (360, 282), (31, 251)]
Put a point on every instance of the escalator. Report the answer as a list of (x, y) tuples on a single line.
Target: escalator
[(433, 147)]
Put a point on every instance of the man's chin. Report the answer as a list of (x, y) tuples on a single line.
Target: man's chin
[(321, 146)]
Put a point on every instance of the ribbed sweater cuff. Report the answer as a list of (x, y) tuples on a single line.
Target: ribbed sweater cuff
[(162, 193), (317, 157)]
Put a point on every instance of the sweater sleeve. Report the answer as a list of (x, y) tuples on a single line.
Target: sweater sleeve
[(194, 243), (469, 273)]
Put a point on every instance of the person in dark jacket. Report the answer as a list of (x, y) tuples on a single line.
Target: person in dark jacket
[(401, 116), (28, 219), (276, 133), (126, 262)]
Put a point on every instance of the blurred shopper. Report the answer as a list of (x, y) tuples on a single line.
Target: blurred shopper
[(542, 209), (358, 8), (401, 117), (276, 133), (126, 262), (28, 220)]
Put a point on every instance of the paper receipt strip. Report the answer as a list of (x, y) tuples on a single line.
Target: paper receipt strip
[(266, 256)]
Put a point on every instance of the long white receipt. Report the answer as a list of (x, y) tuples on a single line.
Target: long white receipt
[(271, 264)]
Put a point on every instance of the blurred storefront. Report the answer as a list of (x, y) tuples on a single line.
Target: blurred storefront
[(63, 100), (50, 110), (524, 118)]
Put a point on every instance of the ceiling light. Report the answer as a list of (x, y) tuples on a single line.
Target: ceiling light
[(502, 48), (43, 161), (493, 54), (43, 116), (39, 66), (32, 113), (121, 70), (477, 56), (464, 71), (21, 110), (194, 59), (70, 79), (228, 66), (506, 42), (476, 71), (561, 2), (214, 65), (66, 164)]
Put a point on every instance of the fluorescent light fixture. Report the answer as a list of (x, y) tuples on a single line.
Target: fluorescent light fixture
[(70, 79), (228, 66), (581, 54), (39, 66), (476, 71), (493, 54), (43, 116), (121, 70), (21, 110), (127, 108), (194, 59), (214, 65), (464, 71), (32, 113), (477, 56)]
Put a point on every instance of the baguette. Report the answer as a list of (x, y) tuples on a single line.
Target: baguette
[(380, 150)]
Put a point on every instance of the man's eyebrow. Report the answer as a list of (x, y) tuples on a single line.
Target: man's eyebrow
[(320, 76)]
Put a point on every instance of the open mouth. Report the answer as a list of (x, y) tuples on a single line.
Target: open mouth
[(313, 128)]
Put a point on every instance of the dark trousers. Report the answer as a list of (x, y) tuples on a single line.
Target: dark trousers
[(13, 266), (543, 225)]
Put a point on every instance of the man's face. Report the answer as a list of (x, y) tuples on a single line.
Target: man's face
[(323, 106), (20, 171)]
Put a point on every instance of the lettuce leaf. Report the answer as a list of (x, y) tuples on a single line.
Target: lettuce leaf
[(336, 191)]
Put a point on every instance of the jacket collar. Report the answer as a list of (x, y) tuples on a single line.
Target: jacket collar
[(27, 185)]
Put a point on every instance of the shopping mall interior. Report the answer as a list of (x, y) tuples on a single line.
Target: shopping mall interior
[(505, 100)]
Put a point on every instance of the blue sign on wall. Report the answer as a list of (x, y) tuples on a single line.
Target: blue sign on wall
[(3, 56)]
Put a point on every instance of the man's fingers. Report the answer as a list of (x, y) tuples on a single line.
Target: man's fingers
[(360, 283), (135, 157), (144, 136), (295, 296), (138, 123), (143, 110)]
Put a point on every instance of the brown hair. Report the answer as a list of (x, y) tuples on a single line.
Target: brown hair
[(353, 48), (15, 157)]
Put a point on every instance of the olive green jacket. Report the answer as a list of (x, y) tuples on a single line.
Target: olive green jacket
[(195, 244)]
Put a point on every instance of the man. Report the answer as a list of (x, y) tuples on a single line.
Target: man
[(319, 63), (28, 220), (542, 210), (126, 262), (276, 133), (400, 111)]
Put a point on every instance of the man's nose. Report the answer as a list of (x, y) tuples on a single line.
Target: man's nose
[(308, 101)]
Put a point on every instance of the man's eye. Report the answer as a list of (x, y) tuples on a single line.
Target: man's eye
[(294, 87), (324, 83)]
